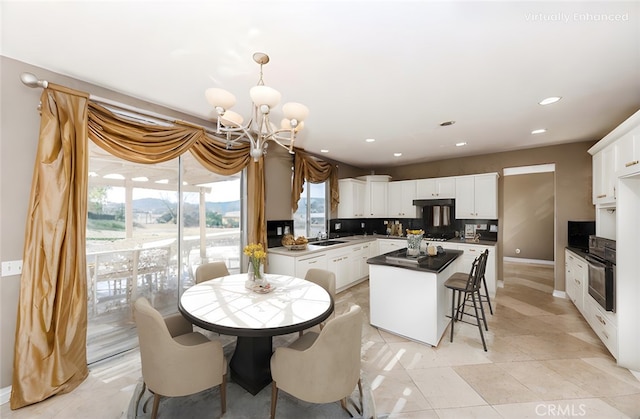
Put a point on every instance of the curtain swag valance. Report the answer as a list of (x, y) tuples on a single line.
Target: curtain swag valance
[(313, 170)]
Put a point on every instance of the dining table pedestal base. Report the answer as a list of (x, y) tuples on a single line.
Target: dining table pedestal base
[(251, 363)]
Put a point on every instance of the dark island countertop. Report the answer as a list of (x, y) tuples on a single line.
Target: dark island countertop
[(399, 259)]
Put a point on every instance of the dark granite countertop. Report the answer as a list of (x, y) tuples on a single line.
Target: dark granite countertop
[(580, 252), (398, 258)]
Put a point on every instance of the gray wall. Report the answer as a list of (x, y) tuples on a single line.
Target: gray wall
[(529, 212)]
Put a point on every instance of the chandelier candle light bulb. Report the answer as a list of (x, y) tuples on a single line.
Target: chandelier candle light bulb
[(259, 130)]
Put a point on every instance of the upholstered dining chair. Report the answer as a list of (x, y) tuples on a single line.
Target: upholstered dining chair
[(175, 360), (211, 270), (326, 279), (324, 367)]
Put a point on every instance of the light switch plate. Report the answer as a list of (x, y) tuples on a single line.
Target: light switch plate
[(11, 267)]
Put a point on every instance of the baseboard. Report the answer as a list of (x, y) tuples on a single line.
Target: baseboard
[(5, 395), (534, 261), (559, 294)]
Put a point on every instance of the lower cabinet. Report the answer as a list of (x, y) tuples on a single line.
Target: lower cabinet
[(576, 275), (389, 245), (603, 323), (472, 251)]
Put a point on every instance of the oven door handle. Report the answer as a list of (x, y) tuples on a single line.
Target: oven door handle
[(593, 261)]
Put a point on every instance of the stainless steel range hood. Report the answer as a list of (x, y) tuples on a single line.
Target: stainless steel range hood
[(433, 202)]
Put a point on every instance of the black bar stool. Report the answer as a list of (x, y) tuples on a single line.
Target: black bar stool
[(465, 287)]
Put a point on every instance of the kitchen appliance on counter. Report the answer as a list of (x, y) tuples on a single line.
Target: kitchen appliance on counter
[(578, 233), (602, 271)]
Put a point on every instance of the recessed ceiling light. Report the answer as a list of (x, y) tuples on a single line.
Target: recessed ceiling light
[(447, 123), (538, 131), (397, 154), (461, 144), (324, 150), (550, 100), (370, 140)]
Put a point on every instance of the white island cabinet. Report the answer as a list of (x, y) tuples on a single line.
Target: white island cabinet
[(410, 301)]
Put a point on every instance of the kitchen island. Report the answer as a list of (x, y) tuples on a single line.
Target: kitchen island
[(408, 296)]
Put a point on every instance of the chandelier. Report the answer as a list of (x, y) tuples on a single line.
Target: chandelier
[(259, 130)]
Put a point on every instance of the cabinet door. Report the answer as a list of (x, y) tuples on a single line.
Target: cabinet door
[(395, 199), (338, 263), (377, 199), (627, 152), (486, 196), (446, 187), (389, 245), (604, 176), (351, 198), (426, 189), (400, 199), (465, 198), (304, 263)]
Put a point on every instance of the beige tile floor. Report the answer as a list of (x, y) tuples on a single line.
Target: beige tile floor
[(543, 361)]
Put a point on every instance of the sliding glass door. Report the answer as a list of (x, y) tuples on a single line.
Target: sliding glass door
[(148, 228)]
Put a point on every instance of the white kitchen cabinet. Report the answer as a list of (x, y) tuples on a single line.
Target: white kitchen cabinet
[(477, 196), (603, 324), (576, 274), (293, 265), (375, 195), (472, 251), (338, 262), (389, 245), (303, 264), (436, 188), (604, 176), (352, 195), (400, 199), (627, 152)]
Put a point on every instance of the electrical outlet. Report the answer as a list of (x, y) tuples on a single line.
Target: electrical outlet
[(11, 267), (361, 225), (338, 226)]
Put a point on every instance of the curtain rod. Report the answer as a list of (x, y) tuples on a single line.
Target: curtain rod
[(32, 81)]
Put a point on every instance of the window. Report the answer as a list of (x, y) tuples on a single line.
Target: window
[(311, 216)]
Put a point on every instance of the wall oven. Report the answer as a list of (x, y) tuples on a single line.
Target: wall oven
[(602, 271)]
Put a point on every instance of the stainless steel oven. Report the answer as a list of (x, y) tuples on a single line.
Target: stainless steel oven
[(602, 271)]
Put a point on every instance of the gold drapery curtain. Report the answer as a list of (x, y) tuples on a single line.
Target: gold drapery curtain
[(147, 143), (309, 168), (50, 350)]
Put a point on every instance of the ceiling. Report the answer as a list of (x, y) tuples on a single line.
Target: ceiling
[(388, 70)]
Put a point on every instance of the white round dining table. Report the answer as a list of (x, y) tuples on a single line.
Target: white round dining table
[(226, 306)]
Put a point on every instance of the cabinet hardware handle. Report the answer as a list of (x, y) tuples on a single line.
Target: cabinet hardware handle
[(605, 334), (631, 163), (601, 320), (312, 262), (601, 196)]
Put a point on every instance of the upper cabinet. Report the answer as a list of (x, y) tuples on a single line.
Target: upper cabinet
[(436, 188), (477, 196), (401, 195), (375, 195), (604, 176), (627, 151), (352, 192)]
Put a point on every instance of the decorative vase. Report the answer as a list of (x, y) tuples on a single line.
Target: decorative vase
[(413, 244), (255, 274)]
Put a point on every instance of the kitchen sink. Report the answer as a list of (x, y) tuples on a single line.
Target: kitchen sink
[(326, 243)]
